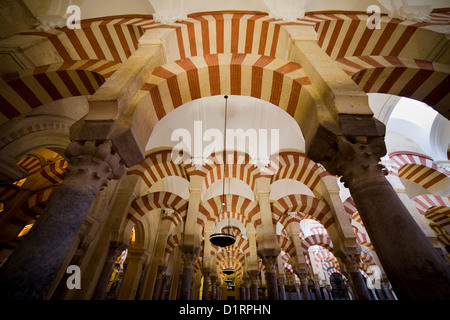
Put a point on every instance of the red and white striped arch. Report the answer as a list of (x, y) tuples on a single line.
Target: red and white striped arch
[(238, 165), (286, 245), (157, 166), (417, 79), (21, 92), (274, 80), (237, 207), (159, 200), (317, 240), (296, 166), (34, 206), (427, 201), (344, 34), (305, 206)]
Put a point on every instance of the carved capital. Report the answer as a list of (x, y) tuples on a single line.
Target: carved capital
[(351, 262), (270, 263), (357, 159), (189, 258), (93, 164), (253, 274)]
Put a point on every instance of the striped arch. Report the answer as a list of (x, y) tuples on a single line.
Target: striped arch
[(412, 78), (157, 166), (95, 39), (172, 242), (440, 215), (21, 92), (346, 34), (228, 32), (175, 207), (427, 201), (305, 206), (428, 178), (364, 240), (286, 245), (401, 158), (30, 163), (367, 259), (35, 205), (241, 208), (274, 80), (238, 166), (296, 166), (317, 240)]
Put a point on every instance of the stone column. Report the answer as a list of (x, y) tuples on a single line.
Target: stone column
[(413, 266), (304, 286), (282, 288), (160, 274), (213, 287), (253, 274), (206, 276), (189, 255), (317, 292), (270, 263), (297, 289), (135, 265), (386, 290), (102, 284), (27, 275), (358, 282), (246, 288)]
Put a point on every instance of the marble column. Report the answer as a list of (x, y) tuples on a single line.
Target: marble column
[(31, 269), (271, 277), (160, 274), (206, 276), (135, 265), (282, 288), (358, 282), (102, 284), (213, 287), (246, 288), (304, 286), (189, 254), (297, 290), (253, 274), (317, 292), (413, 266)]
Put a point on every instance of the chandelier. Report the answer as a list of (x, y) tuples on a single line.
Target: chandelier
[(222, 239), (228, 271)]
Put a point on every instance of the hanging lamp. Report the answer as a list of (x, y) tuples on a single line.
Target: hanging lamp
[(228, 271), (223, 239)]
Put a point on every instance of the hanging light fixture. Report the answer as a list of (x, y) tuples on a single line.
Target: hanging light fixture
[(228, 271), (218, 238)]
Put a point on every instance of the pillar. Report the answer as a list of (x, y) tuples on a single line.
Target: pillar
[(297, 290), (304, 286), (270, 263), (102, 284), (213, 287), (414, 268), (189, 255), (282, 288), (135, 265), (160, 274), (358, 282), (206, 276), (253, 274), (317, 292), (28, 275), (246, 281)]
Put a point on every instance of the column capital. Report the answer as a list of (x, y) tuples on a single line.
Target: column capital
[(357, 159), (253, 274), (351, 262), (92, 164), (270, 262)]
